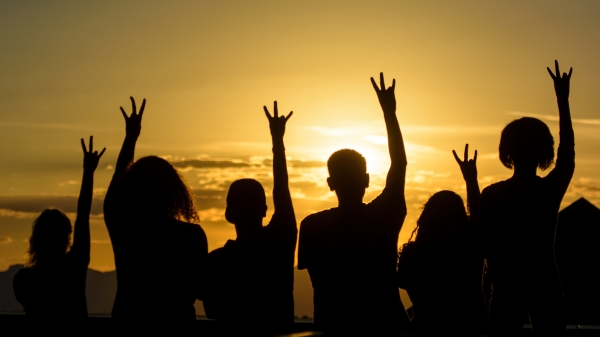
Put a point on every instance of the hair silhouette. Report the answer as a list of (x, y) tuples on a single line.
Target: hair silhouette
[(441, 269), (51, 287), (50, 237), (526, 140), (145, 210), (521, 264), (251, 279), (443, 213), (351, 251), (152, 187), (245, 200)]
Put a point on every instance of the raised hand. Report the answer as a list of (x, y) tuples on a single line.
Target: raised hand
[(561, 84), (276, 122), (387, 98), (133, 123), (91, 157), (468, 167)]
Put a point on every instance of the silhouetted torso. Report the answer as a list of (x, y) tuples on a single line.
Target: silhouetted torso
[(251, 280), (351, 257), (158, 264), (54, 292), (443, 280), (519, 222)]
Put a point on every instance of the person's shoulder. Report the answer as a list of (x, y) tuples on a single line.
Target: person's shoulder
[(317, 219), (495, 188), (22, 275)]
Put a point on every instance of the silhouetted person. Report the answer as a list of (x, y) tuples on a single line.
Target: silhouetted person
[(159, 254), (577, 257), (351, 250), (519, 218), (441, 269), (51, 287), (251, 278)]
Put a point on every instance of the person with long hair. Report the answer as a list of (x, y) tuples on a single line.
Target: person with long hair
[(519, 218), (52, 285), (441, 269), (159, 251)]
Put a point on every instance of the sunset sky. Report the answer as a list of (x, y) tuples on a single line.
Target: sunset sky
[(463, 69)]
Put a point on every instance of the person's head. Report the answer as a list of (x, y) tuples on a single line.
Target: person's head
[(526, 142), (50, 237), (151, 187), (348, 176), (442, 214), (246, 203)]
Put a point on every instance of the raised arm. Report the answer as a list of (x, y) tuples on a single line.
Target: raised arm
[(468, 167), (81, 237), (565, 158), (284, 210), (397, 173), (133, 127)]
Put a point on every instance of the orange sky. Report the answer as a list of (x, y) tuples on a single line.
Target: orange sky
[(463, 70)]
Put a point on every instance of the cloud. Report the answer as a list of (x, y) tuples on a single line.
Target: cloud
[(5, 239), (555, 118), (202, 164), (19, 204)]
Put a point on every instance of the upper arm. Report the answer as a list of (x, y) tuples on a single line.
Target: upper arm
[(305, 244)]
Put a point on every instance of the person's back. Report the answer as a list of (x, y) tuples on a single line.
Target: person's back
[(158, 270), (159, 253), (519, 218), (351, 251), (251, 279)]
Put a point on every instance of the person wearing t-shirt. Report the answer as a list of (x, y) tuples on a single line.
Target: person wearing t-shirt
[(351, 250), (251, 279)]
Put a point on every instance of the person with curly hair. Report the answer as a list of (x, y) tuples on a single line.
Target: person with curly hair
[(159, 251), (52, 285), (519, 218)]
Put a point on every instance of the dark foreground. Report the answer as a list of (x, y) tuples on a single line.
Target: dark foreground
[(16, 324)]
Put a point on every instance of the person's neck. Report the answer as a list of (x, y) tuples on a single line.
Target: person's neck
[(525, 172), (248, 228), (349, 203)]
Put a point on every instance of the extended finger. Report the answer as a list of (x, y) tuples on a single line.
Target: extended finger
[(267, 112), (381, 81), (374, 85), (289, 115), (142, 108), (132, 105), (91, 143), (393, 84), (101, 153), (475, 156), (456, 157), (557, 69), (123, 112), (83, 145), (570, 72), (466, 152), (276, 112), (550, 72)]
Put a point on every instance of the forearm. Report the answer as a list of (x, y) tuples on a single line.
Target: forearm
[(281, 193), (126, 155), (397, 152), (566, 134), (81, 235), (473, 199)]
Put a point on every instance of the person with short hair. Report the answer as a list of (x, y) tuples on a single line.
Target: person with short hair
[(519, 218), (51, 287), (351, 250), (250, 287)]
